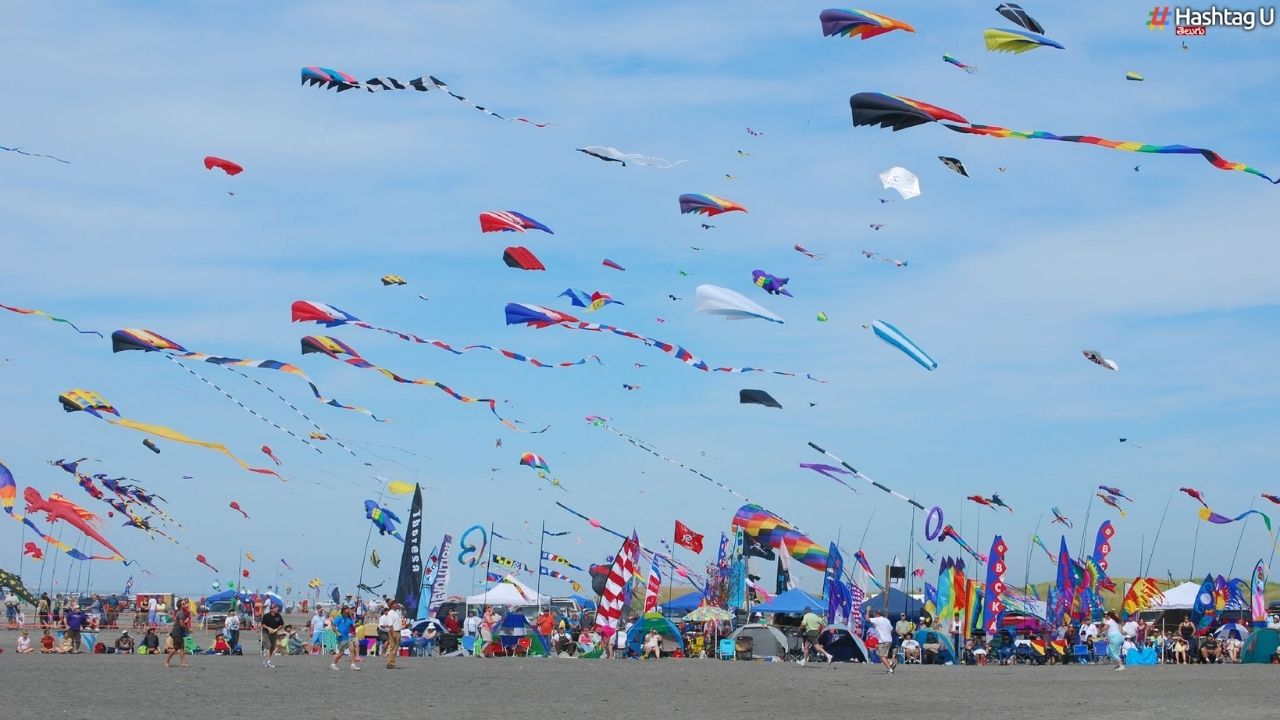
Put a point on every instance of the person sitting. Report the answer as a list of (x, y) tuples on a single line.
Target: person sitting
[(932, 649), (911, 650), (653, 645), (430, 634), (1179, 646), (293, 644), (65, 647), (979, 650), (1209, 651), (46, 643), (587, 640), (1231, 647), (220, 646), (24, 644), (561, 642), (124, 643), (151, 641)]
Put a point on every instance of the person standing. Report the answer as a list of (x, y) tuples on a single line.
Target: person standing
[(43, 615), (812, 624), (884, 634), (391, 621), (73, 622), (153, 607), (344, 626), (546, 626), (1115, 639), (471, 626), (231, 626), (178, 634), (272, 627), (317, 632), (11, 608)]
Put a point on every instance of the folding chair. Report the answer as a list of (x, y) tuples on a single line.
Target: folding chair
[(522, 647), (1081, 654), (1100, 650), (728, 649)]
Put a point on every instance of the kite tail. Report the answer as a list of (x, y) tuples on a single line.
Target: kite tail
[(293, 407), (509, 354), (25, 311), (1212, 157), (175, 436), (282, 367)]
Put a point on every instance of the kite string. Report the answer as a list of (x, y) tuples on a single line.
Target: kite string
[(293, 407), (244, 407)]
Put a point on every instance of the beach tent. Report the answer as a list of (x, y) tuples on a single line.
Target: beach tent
[(272, 599), (843, 645), (766, 640), (1260, 646), (1182, 597), (671, 640), (899, 602), (928, 635), (1225, 631), (793, 602), (509, 593)]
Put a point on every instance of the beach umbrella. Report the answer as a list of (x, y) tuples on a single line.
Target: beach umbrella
[(707, 612)]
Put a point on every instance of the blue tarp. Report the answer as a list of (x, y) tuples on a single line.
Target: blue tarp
[(584, 602), (792, 601), (684, 603), (899, 602)]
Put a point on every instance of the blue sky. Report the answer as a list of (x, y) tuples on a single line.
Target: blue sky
[(1169, 270)]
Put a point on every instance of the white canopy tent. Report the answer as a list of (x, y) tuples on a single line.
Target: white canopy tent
[(509, 593), (1182, 597)]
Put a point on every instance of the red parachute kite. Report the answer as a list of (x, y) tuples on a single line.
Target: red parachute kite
[(226, 166), (519, 257)]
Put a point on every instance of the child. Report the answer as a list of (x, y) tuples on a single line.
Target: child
[(873, 647), (24, 644), (220, 646), (46, 642)]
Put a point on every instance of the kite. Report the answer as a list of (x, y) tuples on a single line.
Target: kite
[(1016, 41), (56, 507), (625, 386), (330, 79), (822, 317), (1125, 440), (873, 483), (1058, 517), (33, 550), (225, 166), (757, 397), (535, 316), (1113, 501), (831, 471), (900, 113), (770, 283), (236, 506), (375, 559), (147, 341), (873, 255), (1194, 493), (25, 311), (927, 556), (971, 69), (901, 180), (20, 151), (534, 461), (708, 205), (1035, 539), (865, 564), (593, 301), (1133, 76), (848, 23), (521, 259), (249, 556), (894, 337), (244, 573), (769, 529), (953, 164), (9, 493), (469, 554), (1206, 515), (806, 253), (95, 405), (1015, 14), (1273, 498), (950, 532), (330, 316), (876, 226), (613, 154), (315, 583), (151, 445), (394, 280), (399, 487), (336, 349), (981, 501), (266, 450), (995, 500), (1114, 491), (611, 264), (383, 519), (1096, 358), (715, 300), (509, 221)]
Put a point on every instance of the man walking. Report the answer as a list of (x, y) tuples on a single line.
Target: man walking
[(391, 622), (178, 634), (812, 624), (884, 634), (272, 626), (343, 625)]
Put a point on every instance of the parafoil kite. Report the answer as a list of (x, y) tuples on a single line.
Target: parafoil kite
[(1133, 76), (971, 69), (592, 301), (896, 338), (902, 180), (383, 519), (236, 506), (394, 280), (900, 113), (757, 397), (94, 404), (1015, 14), (343, 352), (399, 487), (1016, 41), (708, 205), (770, 283), (535, 461), (225, 166), (613, 154), (509, 221), (611, 264), (41, 313), (726, 303), (954, 164), (521, 259), (151, 445), (1096, 358), (330, 316), (860, 23), (331, 79)]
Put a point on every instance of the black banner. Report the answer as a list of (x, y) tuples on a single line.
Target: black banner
[(409, 585)]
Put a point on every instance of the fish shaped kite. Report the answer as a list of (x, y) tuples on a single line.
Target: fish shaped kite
[(331, 79), (236, 506), (1096, 358), (509, 221), (1194, 493), (900, 113), (708, 205), (613, 154), (858, 23), (1273, 498), (770, 283), (383, 519)]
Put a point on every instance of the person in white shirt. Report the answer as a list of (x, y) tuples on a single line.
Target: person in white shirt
[(1130, 630), (911, 650), (153, 619), (471, 626), (317, 631), (883, 629), (391, 622), (1115, 639), (231, 629)]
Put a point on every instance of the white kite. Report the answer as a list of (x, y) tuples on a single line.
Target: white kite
[(613, 154), (1096, 358), (715, 300), (902, 180)]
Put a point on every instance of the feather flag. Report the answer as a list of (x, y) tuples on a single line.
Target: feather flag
[(620, 574), (1259, 594), (1143, 594), (1204, 609), (654, 588), (992, 605)]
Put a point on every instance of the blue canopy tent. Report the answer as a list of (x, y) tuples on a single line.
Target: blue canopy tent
[(245, 598), (792, 602), (899, 602), (585, 603), (684, 603)]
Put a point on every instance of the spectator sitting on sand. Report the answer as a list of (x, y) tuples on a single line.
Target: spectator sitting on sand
[(151, 641), (24, 644), (46, 642), (124, 643), (220, 646)]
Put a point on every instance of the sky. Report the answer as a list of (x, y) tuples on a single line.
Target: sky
[(1045, 250)]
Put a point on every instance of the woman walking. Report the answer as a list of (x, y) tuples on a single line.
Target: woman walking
[(1115, 639)]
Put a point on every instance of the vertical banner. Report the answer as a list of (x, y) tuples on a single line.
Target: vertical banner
[(409, 584), (441, 582)]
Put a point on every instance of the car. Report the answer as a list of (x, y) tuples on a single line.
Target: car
[(216, 618)]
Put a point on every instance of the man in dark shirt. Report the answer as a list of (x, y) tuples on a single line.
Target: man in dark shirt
[(73, 621), (151, 641), (272, 627)]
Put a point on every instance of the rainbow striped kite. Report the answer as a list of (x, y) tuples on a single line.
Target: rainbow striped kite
[(772, 530)]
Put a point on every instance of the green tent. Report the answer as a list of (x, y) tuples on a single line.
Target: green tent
[(1260, 646)]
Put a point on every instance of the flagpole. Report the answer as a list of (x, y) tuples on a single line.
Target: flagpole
[(1084, 527), (542, 543), (488, 560), (671, 575), (1243, 525), (1194, 544), (1159, 528), (1026, 577), (364, 557)]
